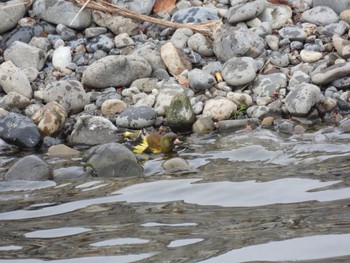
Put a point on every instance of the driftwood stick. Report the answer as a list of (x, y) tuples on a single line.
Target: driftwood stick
[(205, 28)]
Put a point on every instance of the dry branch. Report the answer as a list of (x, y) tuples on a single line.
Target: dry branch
[(205, 28)]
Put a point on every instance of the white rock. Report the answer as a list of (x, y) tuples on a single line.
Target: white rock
[(219, 108), (61, 58), (310, 56)]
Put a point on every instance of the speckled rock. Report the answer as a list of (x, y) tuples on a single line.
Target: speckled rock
[(112, 160), (176, 164), (335, 28), (297, 78), (19, 130), (180, 115), (300, 100), (99, 128), (276, 15), (25, 56), (174, 59), (203, 125), (120, 24), (50, 118), (200, 44), (279, 59), (14, 100), (137, 117), (240, 98), (112, 107), (100, 42), (69, 93), (219, 108), (234, 42), (293, 33), (200, 80), (320, 15), (194, 15), (101, 74), (180, 37), (267, 85), (62, 12), (337, 6), (341, 83), (245, 11), (164, 99), (12, 12), (239, 71), (13, 79), (30, 168), (331, 73)]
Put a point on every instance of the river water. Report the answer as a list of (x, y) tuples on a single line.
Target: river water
[(249, 196)]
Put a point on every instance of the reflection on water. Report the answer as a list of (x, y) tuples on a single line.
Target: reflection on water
[(248, 197)]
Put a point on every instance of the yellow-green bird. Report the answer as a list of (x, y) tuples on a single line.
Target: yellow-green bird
[(152, 142)]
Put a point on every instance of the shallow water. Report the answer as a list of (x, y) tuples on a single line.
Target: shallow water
[(249, 196)]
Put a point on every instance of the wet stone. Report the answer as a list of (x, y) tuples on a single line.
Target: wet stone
[(137, 117)]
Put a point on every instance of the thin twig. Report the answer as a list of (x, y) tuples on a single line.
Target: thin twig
[(81, 10)]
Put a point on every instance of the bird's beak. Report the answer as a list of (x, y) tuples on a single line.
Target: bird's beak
[(177, 141)]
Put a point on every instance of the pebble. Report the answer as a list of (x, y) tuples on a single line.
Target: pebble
[(203, 125), (29, 168), (293, 33), (337, 6), (219, 108), (200, 80), (194, 15), (239, 71), (136, 117), (176, 164), (180, 37), (201, 45), (113, 107), (310, 56), (101, 74), (61, 58), (320, 15), (10, 13), (175, 61), (268, 85), (245, 11), (61, 150), (143, 7), (331, 73), (276, 15)]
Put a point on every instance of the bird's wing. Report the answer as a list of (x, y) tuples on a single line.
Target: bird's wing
[(141, 147)]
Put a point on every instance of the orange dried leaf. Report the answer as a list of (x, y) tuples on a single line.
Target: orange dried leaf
[(164, 6)]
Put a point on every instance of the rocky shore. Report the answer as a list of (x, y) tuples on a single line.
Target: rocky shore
[(69, 91)]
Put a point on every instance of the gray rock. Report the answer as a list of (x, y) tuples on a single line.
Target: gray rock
[(13, 79), (94, 31), (194, 15), (23, 34), (176, 164), (14, 100), (30, 168), (62, 12), (152, 57), (164, 99), (239, 71), (234, 42), (142, 7), (87, 127), (200, 80), (112, 160), (267, 85), (293, 33), (180, 37), (212, 67), (276, 15), (331, 73), (100, 42), (137, 117), (10, 13), (219, 108), (297, 78), (335, 28), (286, 127), (320, 15), (180, 115), (19, 130), (145, 84), (245, 11), (261, 112), (300, 100), (279, 59), (65, 32), (337, 6), (203, 125), (200, 44), (120, 24), (69, 93), (102, 73), (342, 83), (123, 40)]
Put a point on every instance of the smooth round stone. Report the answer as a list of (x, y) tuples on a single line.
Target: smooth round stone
[(314, 47), (279, 59), (11, 12), (176, 164), (15, 100), (320, 15), (239, 71), (310, 56), (297, 78), (276, 15), (300, 100), (112, 160), (200, 80), (194, 15), (337, 6), (267, 85), (142, 7), (296, 45), (61, 58), (235, 42), (174, 59), (335, 28), (112, 107), (61, 150), (245, 11), (123, 40), (200, 44), (30, 168), (23, 34), (203, 125), (180, 37), (272, 41), (345, 15), (100, 42), (219, 108), (137, 117)]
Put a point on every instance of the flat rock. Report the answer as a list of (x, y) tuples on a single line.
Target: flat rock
[(194, 15), (337, 6), (62, 12), (245, 11), (137, 117), (174, 59), (331, 73), (102, 73), (219, 108), (142, 7), (11, 12), (276, 15), (293, 33)]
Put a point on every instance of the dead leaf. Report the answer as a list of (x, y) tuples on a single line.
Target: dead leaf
[(164, 6)]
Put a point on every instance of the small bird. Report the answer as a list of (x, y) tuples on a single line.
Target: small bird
[(152, 142)]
